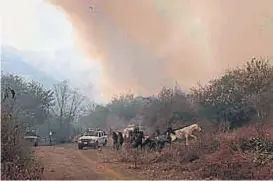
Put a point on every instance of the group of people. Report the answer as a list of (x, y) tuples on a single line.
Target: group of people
[(118, 140), (136, 139), (156, 140)]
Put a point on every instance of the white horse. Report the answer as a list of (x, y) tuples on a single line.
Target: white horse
[(186, 132)]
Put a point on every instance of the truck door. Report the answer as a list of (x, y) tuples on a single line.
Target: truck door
[(100, 138)]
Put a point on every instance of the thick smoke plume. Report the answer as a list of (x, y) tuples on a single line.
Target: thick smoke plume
[(144, 45)]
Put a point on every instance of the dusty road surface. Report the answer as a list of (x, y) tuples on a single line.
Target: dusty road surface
[(70, 163)]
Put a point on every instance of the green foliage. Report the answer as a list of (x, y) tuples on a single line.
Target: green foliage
[(125, 106), (96, 117), (35, 107), (171, 106), (239, 96), (31, 99), (17, 160), (257, 144), (228, 97)]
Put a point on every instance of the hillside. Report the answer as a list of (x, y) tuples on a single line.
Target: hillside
[(13, 61)]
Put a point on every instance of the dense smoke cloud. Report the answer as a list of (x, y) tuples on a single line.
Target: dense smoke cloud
[(144, 45)]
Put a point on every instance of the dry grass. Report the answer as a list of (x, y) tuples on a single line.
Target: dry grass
[(246, 153)]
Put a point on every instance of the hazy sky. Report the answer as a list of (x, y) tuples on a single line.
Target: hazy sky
[(145, 44), (141, 45), (44, 35)]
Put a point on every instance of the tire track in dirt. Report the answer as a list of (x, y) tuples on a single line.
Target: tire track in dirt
[(102, 167), (67, 162)]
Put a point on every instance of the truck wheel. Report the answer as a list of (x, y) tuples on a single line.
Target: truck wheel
[(35, 144), (96, 145), (105, 143), (80, 147)]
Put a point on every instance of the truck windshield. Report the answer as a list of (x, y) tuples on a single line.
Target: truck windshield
[(91, 133), (30, 134)]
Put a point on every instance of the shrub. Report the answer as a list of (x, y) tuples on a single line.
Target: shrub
[(17, 160), (241, 154)]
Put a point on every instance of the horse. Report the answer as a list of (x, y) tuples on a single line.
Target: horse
[(161, 140), (158, 142), (150, 143), (115, 140), (185, 132)]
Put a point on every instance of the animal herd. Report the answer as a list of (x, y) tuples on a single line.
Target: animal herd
[(135, 138)]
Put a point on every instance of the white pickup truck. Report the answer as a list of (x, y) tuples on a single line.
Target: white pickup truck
[(92, 138), (32, 138)]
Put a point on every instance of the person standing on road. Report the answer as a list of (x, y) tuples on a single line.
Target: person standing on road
[(50, 134)]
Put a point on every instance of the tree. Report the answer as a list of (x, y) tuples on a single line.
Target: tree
[(124, 106), (31, 100), (171, 106), (228, 98), (68, 105), (97, 117)]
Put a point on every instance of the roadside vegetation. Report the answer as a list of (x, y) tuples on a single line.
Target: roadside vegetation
[(234, 111), (29, 108)]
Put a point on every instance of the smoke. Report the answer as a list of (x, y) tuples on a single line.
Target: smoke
[(144, 45)]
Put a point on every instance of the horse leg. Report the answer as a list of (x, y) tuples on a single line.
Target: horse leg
[(160, 146), (194, 137), (187, 140), (170, 147), (153, 146)]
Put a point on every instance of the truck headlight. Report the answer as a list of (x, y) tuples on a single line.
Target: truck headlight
[(79, 141)]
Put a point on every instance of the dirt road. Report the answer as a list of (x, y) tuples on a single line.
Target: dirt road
[(67, 162)]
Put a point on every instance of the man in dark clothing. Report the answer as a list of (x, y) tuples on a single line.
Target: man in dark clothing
[(115, 140), (169, 131), (120, 139), (157, 131)]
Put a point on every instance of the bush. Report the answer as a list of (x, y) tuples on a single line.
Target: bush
[(17, 160), (241, 154)]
